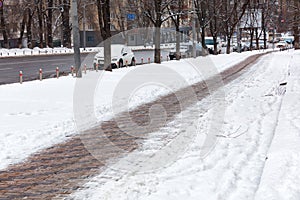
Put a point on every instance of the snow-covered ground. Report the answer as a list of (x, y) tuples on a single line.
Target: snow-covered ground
[(38, 114), (245, 163), (281, 176), (13, 52)]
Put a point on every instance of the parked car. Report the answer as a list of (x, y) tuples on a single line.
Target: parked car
[(209, 42), (120, 56), (186, 50), (282, 45), (244, 46)]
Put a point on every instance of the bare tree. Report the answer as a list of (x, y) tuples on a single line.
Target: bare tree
[(201, 12), (157, 16), (65, 4), (49, 23), (176, 12), (23, 23), (39, 8), (104, 24), (214, 9), (119, 11), (231, 13), (251, 22)]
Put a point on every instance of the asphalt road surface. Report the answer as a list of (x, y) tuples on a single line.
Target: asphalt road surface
[(30, 65)]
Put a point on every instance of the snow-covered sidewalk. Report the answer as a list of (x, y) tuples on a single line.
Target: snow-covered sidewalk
[(281, 177), (39, 114), (242, 164)]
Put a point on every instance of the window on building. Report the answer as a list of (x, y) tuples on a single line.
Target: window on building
[(90, 38)]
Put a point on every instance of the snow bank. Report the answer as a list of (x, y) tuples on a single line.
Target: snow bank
[(63, 50)]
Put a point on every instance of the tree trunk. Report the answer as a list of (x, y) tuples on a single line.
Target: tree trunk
[(228, 45), (76, 39), (177, 43), (28, 28), (3, 27), (215, 45), (22, 30), (40, 22), (157, 44), (296, 36), (66, 24), (251, 38), (256, 38), (49, 24), (104, 24), (296, 24), (203, 37)]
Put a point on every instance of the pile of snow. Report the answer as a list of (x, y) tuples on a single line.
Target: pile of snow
[(41, 51), (63, 50)]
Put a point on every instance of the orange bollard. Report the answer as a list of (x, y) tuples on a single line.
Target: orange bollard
[(21, 77)]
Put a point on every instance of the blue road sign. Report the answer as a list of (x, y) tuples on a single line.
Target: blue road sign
[(130, 16)]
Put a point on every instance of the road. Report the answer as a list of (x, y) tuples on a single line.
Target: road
[(30, 65)]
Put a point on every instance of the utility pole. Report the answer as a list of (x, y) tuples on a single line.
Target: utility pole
[(84, 22), (76, 39)]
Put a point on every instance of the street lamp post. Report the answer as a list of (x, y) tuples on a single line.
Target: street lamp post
[(76, 38)]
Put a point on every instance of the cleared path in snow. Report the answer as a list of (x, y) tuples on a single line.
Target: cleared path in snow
[(233, 169), (61, 169)]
